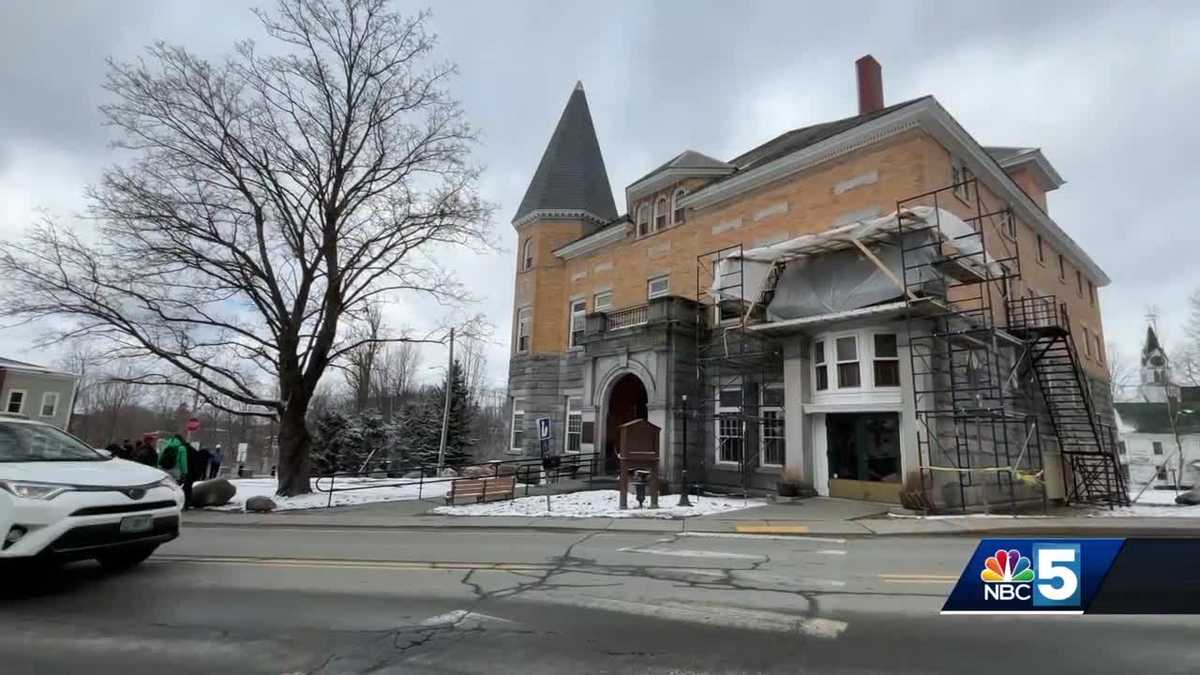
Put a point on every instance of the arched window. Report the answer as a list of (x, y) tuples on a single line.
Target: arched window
[(527, 255), (643, 220), (676, 207), (660, 214)]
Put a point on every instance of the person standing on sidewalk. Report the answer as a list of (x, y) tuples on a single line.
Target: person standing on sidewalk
[(174, 460), (215, 461)]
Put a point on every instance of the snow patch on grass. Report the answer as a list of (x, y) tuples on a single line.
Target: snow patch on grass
[(374, 490), (599, 504)]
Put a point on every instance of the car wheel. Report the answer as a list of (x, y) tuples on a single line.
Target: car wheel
[(123, 560)]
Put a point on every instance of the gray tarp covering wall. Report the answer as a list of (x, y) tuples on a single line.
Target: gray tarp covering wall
[(844, 280), (825, 272)]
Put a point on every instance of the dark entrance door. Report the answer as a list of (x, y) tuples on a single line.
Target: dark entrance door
[(864, 455), (626, 403)]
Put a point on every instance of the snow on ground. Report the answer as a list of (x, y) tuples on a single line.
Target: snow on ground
[(384, 490), (1153, 504), (599, 504)]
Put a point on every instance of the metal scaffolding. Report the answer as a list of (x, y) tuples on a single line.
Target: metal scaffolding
[(737, 370)]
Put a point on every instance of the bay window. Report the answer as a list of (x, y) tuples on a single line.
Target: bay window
[(820, 370), (848, 375), (887, 361)]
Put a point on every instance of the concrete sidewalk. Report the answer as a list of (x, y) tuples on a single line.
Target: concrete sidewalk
[(811, 517)]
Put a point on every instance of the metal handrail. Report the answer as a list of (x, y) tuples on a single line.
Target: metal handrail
[(628, 317), (575, 460)]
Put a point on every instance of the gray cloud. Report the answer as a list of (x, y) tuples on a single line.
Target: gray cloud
[(1106, 89)]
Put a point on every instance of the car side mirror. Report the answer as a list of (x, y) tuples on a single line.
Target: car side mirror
[(104, 453)]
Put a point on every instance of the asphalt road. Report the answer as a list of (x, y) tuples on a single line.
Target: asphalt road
[(307, 600)]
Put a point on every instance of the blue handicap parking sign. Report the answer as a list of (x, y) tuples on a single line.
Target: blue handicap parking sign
[(543, 428)]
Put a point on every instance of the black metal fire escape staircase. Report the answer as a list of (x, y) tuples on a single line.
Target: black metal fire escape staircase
[(1088, 453)]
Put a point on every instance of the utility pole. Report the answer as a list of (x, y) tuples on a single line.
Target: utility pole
[(446, 409)]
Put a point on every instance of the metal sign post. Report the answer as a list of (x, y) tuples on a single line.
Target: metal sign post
[(543, 426)]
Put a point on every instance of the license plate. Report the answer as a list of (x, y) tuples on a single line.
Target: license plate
[(134, 524)]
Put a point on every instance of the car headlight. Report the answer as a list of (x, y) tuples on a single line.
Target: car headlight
[(169, 483), (27, 490)]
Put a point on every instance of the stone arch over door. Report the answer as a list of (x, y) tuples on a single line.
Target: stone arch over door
[(625, 396)]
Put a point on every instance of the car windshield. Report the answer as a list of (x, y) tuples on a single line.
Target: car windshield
[(40, 443)]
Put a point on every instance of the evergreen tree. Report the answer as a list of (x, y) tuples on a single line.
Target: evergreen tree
[(427, 425)]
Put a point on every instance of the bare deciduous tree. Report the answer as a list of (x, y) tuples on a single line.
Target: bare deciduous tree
[(265, 198), (1120, 371), (360, 366), (395, 375)]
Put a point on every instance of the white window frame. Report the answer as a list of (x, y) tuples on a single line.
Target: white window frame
[(527, 255), (1079, 283), (576, 320), (574, 425), (1041, 251), (1099, 347), (665, 290), (779, 419), (660, 211), (741, 424), (677, 212), (875, 358), (1062, 268), (517, 429), (52, 395), (1087, 342), (823, 363), (524, 329), (1092, 292), (8, 401), (643, 220), (837, 362), (597, 305)]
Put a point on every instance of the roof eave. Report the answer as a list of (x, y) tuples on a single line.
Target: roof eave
[(559, 214), (595, 241), (657, 181), (1047, 176), (928, 115)]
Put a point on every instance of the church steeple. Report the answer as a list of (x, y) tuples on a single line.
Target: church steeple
[(571, 179), (1156, 385)]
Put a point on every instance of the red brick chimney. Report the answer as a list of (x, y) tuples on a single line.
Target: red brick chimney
[(870, 85)]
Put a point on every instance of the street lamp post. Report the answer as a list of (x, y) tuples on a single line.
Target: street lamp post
[(1178, 442), (683, 492)]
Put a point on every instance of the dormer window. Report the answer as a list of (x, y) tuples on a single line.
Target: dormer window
[(677, 206), (643, 220), (660, 214)]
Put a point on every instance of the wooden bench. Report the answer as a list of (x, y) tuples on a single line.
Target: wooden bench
[(475, 490)]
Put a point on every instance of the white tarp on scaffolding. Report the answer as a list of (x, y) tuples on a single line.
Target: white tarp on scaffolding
[(826, 272)]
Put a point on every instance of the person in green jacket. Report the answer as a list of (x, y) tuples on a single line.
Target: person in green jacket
[(174, 460)]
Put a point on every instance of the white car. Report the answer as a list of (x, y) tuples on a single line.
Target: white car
[(61, 500)]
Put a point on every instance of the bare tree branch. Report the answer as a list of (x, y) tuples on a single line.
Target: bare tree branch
[(265, 198)]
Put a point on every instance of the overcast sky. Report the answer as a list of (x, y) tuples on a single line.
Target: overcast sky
[(1108, 92)]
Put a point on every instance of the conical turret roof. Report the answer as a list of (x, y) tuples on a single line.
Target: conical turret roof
[(571, 175)]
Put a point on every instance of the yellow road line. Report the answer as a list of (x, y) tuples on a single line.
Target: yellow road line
[(351, 564), (917, 578), (770, 529)]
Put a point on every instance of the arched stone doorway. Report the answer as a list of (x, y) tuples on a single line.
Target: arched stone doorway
[(626, 402)]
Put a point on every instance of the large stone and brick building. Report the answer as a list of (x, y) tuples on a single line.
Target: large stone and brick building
[(775, 303)]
